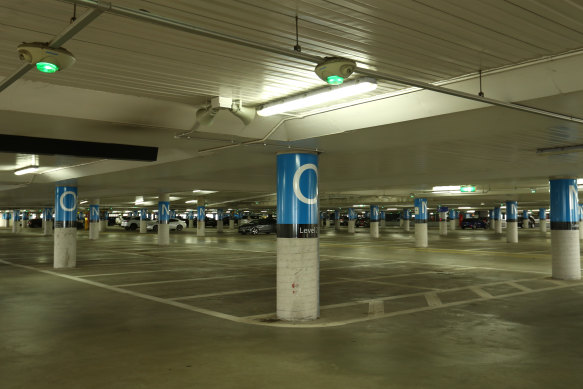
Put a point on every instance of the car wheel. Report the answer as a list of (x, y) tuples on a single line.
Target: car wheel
[(179, 227), (133, 227), (254, 231), (155, 228)]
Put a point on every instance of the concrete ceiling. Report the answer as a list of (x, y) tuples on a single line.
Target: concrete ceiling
[(141, 84)]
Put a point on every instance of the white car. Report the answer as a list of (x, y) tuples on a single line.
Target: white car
[(174, 224)]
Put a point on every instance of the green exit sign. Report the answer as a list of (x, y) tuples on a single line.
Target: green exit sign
[(467, 188)]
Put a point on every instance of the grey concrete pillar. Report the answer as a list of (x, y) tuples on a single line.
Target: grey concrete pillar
[(201, 217), (512, 222), (220, 220), (48, 221), (298, 256), (542, 218), (65, 238), (443, 221), (232, 223), (374, 221), (421, 237), (16, 221), (565, 244), (163, 218), (94, 220)]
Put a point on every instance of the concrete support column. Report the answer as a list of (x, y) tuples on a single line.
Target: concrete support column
[(104, 223), (407, 219), (374, 221), (24, 219), (220, 220), (47, 221), (525, 219), (492, 220), (512, 222), (580, 209), (232, 221), (498, 220), (163, 219), (421, 238), (452, 219), (542, 218), (564, 225), (16, 220), (94, 222), (337, 220), (65, 247), (383, 219), (443, 221), (143, 221), (201, 216), (351, 221), (298, 258)]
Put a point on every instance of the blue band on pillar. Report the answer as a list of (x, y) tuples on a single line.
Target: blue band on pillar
[(420, 210), (511, 211), (406, 214), (297, 195), (219, 214), (564, 208), (143, 214), (374, 213), (66, 207), (94, 213), (163, 212), (351, 214), (542, 214), (201, 213)]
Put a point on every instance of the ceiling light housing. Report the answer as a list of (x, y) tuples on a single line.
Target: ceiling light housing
[(27, 170), (46, 59), (318, 96), (334, 70)]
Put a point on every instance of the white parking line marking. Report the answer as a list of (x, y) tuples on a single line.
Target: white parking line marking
[(518, 286), (174, 281), (432, 299), (480, 292)]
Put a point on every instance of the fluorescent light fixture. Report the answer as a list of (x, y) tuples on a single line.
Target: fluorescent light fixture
[(26, 170), (471, 211), (391, 209), (464, 208), (319, 96), (191, 201), (85, 202), (446, 188)]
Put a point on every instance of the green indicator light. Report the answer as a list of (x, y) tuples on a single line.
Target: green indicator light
[(466, 189), (46, 67), (335, 80)]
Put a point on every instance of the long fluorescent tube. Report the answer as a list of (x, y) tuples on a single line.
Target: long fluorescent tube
[(446, 188), (319, 96), (26, 170)]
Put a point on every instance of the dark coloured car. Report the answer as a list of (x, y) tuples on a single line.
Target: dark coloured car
[(259, 226), (362, 222), (35, 223), (474, 224)]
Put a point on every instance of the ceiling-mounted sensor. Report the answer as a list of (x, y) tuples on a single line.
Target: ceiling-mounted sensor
[(334, 70), (46, 59)]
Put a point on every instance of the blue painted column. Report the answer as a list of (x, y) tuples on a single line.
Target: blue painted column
[(48, 221), (564, 229), (351, 220), (219, 220), (442, 220), (580, 219), (452, 219), (163, 219), (375, 218), (498, 220), (542, 219), (512, 222), (201, 217), (421, 239), (65, 248), (491, 223), (94, 220), (407, 219), (298, 257), (15, 220), (143, 221), (383, 219)]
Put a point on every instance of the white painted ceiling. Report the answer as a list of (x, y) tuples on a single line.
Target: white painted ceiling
[(138, 83)]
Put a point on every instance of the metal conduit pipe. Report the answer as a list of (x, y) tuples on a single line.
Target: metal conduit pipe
[(178, 25)]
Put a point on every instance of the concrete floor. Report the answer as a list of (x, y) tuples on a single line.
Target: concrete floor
[(470, 311)]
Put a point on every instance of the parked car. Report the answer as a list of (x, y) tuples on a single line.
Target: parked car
[(362, 222), (474, 223), (259, 226), (174, 224), (35, 223), (130, 223)]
